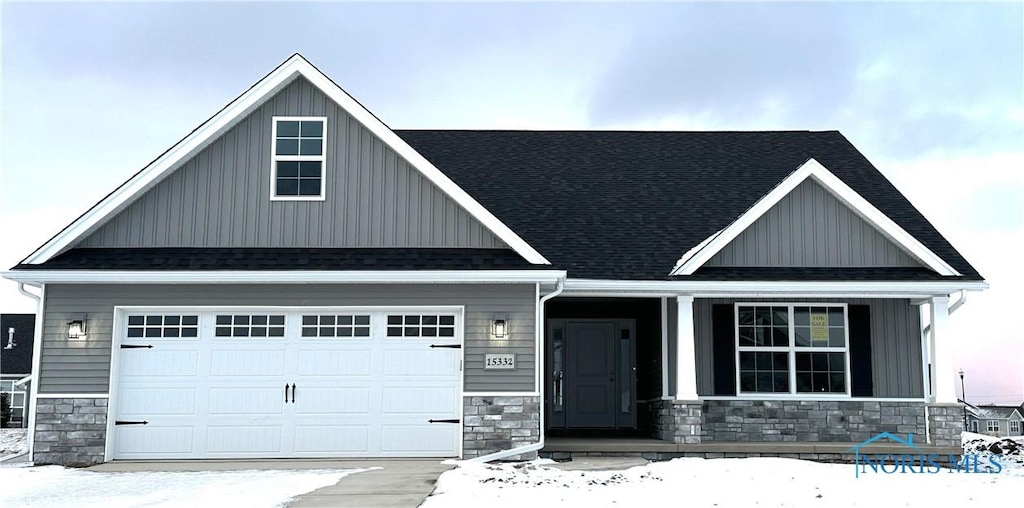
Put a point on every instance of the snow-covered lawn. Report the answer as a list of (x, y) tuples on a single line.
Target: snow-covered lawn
[(55, 486), (723, 483), (13, 442)]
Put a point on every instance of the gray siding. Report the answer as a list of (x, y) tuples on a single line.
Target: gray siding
[(895, 344), (221, 197), (810, 227), (84, 367)]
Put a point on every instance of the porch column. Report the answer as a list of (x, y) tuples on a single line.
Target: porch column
[(943, 371), (686, 363)]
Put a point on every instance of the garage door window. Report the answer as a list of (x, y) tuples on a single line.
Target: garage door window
[(420, 325), (250, 325), (336, 325), (163, 325)]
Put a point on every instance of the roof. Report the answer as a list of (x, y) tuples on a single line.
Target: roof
[(284, 259), (997, 412), (627, 204), (18, 359)]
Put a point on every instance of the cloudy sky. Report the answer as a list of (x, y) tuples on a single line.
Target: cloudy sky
[(933, 94)]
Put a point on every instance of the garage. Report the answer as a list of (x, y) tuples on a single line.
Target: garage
[(248, 382)]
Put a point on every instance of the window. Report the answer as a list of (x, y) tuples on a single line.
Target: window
[(974, 425), (163, 326), (1014, 427), (346, 325), (246, 325), (417, 325), (992, 425), (298, 158), (792, 348)]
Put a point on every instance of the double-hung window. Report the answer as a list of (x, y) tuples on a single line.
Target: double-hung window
[(299, 143), (992, 425), (1014, 427), (792, 348)]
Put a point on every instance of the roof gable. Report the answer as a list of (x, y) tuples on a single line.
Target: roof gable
[(700, 255), (811, 227), (228, 118)]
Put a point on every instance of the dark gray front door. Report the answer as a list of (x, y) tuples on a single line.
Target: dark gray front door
[(590, 378)]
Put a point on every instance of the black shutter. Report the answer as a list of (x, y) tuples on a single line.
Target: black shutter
[(723, 332), (860, 350)]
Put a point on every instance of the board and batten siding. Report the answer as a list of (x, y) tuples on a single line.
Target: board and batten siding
[(811, 228), (84, 366), (895, 343), (221, 196)]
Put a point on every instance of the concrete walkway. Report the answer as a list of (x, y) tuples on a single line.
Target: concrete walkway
[(399, 483)]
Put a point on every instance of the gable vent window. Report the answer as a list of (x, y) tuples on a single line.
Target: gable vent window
[(298, 158)]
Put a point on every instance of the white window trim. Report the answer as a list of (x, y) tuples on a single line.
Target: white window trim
[(274, 158), (792, 349), (1014, 426), (988, 425)]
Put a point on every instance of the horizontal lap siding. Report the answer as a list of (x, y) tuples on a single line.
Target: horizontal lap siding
[(221, 197), (895, 344), (84, 366), (810, 227)]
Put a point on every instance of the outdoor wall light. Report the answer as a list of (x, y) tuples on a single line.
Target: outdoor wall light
[(499, 328), (76, 329)]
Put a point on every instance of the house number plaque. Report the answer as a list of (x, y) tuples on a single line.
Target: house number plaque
[(500, 361)]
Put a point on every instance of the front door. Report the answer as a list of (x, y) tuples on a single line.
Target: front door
[(590, 378)]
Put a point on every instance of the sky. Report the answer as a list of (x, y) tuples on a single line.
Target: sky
[(931, 93)]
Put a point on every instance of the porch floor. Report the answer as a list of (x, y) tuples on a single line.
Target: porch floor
[(643, 445)]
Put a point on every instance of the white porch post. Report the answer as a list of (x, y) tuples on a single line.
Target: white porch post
[(942, 352), (686, 362), (664, 348)]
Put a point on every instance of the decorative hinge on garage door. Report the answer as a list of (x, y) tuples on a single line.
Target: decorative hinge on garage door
[(451, 346), (130, 422), (448, 420), (136, 346)]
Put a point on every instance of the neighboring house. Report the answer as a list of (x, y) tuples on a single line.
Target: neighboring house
[(16, 334), (296, 279), (999, 421)]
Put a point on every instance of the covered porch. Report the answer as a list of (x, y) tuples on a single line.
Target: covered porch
[(747, 374)]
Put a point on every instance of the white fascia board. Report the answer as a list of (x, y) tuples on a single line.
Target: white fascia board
[(237, 110), (771, 288), (696, 257), (284, 277)]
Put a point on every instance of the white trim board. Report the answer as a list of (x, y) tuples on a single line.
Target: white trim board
[(238, 109), (73, 396), (703, 252), (768, 289), (284, 276)]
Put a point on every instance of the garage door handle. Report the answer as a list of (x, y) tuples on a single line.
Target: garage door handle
[(135, 346), (452, 346), (129, 422), (286, 385), (449, 420), (293, 392)]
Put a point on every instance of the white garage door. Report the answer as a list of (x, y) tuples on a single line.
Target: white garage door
[(244, 383)]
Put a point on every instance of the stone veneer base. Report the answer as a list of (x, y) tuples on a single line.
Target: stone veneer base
[(496, 423), (70, 432)]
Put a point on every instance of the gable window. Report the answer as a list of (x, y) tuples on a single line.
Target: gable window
[(792, 348), (299, 144), (1014, 427), (992, 425)]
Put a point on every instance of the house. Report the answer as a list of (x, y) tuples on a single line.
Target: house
[(16, 334), (998, 421), (296, 279)]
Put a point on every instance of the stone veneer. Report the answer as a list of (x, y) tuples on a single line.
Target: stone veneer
[(946, 422), (70, 432), (809, 421), (491, 424), (678, 421)]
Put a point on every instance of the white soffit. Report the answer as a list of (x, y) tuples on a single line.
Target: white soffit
[(238, 109), (703, 252)]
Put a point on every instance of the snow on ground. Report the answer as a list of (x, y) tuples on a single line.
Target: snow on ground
[(13, 441), (1011, 449), (57, 487), (726, 483)]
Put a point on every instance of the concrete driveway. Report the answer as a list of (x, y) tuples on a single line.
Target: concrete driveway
[(399, 483)]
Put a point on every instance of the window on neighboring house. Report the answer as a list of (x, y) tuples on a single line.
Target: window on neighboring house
[(298, 158), (992, 425), (974, 425), (792, 348), (1014, 427)]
